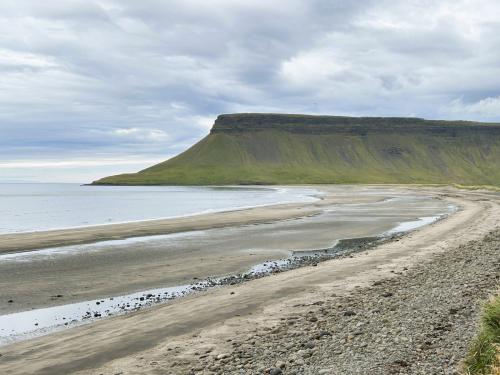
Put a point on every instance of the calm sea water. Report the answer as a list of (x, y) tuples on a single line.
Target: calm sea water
[(35, 207)]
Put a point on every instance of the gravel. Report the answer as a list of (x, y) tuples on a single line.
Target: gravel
[(419, 322)]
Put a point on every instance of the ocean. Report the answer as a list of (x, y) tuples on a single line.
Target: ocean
[(26, 207)]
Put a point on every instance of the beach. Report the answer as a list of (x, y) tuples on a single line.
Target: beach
[(160, 338), (190, 249)]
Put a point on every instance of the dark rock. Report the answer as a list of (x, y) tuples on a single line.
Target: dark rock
[(321, 334), (401, 363), (309, 345)]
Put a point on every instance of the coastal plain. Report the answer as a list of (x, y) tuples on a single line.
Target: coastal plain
[(194, 334)]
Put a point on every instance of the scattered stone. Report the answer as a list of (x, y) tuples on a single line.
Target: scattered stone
[(321, 334), (281, 364), (309, 345), (401, 363), (366, 332)]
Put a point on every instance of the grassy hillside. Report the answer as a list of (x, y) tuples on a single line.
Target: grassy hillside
[(282, 149)]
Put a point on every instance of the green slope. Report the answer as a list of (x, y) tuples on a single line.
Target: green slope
[(284, 149)]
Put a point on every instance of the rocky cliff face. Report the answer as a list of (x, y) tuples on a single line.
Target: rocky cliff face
[(249, 122), (293, 149)]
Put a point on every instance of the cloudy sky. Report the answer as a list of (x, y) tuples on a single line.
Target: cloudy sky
[(96, 87)]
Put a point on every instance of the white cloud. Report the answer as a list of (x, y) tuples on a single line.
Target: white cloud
[(204, 122), (140, 134), (312, 68), (14, 59), (485, 108), (29, 164)]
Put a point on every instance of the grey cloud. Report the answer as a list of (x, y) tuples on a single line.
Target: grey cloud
[(74, 76)]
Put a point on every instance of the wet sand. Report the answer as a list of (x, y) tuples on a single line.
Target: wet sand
[(120, 343), (51, 277), (11, 243)]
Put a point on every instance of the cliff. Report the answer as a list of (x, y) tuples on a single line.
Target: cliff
[(299, 149)]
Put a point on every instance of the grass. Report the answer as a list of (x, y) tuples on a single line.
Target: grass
[(484, 356)]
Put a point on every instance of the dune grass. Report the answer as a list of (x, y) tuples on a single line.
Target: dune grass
[(484, 355)]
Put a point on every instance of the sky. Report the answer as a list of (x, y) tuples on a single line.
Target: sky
[(90, 88)]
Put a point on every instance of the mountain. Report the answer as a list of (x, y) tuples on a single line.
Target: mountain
[(300, 149)]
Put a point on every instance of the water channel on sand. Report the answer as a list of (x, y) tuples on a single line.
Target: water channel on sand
[(66, 286)]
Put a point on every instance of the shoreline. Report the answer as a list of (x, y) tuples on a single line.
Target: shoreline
[(43, 278), (166, 331), (316, 196), (38, 240), (88, 312)]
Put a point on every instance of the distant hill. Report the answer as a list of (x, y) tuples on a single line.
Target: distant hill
[(299, 149)]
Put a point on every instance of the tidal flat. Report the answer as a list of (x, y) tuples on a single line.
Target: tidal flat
[(64, 286)]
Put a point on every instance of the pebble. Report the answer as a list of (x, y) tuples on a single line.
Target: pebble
[(407, 324)]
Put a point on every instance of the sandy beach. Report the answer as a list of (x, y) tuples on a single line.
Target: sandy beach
[(167, 338), (74, 273), (37, 240)]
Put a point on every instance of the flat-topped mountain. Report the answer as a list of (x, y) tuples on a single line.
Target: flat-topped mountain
[(255, 148)]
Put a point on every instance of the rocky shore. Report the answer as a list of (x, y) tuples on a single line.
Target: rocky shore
[(418, 322)]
